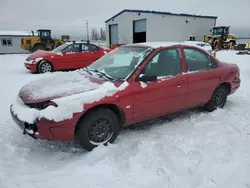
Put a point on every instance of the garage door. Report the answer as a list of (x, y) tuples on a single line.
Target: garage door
[(113, 29), (140, 26)]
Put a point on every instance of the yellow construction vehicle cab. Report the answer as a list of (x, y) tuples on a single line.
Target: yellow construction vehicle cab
[(220, 38), (41, 41), (65, 38)]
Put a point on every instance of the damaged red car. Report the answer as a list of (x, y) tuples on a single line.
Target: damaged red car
[(130, 84)]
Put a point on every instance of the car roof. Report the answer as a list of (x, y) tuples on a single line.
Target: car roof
[(156, 45), (78, 42)]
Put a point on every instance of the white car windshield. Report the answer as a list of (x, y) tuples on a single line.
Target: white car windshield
[(121, 62)]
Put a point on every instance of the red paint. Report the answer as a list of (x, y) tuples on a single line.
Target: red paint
[(159, 98), (66, 61)]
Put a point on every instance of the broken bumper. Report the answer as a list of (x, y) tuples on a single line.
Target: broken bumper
[(29, 129), (31, 67)]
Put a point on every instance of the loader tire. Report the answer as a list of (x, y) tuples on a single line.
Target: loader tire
[(38, 47)]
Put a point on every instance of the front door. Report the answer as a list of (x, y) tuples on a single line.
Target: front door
[(70, 58), (168, 94), (202, 76)]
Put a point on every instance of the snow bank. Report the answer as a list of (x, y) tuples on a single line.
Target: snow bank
[(67, 106), (191, 149)]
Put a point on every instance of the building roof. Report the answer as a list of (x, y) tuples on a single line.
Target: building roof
[(162, 13), (16, 33)]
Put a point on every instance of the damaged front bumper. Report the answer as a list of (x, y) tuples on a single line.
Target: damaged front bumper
[(29, 129)]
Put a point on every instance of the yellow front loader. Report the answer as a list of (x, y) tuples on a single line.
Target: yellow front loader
[(41, 41), (220, 38)]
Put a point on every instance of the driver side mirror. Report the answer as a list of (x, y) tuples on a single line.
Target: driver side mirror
[(63, 51), (147, 78)]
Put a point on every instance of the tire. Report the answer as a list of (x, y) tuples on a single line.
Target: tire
[(44, 67), (38, 47), (89, 128), (218, 99)]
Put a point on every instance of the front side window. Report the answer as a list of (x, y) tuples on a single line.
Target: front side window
[(73, 48), (122, 61), (165, 63), (197, 60), (6, 41)]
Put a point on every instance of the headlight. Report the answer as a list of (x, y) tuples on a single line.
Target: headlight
[(42, 105), (30, 61)]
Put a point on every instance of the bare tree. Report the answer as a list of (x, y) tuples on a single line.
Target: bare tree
[(94, 34), (102, 34)]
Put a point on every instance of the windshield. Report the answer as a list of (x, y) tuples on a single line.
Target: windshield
[(217, 31), (60, 48), (121, 62)]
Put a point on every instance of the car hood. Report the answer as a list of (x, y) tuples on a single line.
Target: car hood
[(58, 85), (40, 54)]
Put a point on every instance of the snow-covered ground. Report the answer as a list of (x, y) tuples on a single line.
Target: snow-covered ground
[(192, 149)]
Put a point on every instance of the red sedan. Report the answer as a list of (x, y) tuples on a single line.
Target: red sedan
[(130, 84), (71, 55)]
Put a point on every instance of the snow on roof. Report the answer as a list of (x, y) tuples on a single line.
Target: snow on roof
[(167, 44), (158, 44), (196, 42), (16, 33), (162, 13)]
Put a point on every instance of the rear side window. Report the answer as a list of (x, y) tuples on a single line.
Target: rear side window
[(95, 48), (89, 48), (197, 60)]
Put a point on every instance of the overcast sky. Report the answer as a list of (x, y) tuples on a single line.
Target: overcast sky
[(69, 16)]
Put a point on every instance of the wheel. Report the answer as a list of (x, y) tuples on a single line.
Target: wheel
[(98, 127), (38, 47), (44, 67), (231, 45), (218, 99)]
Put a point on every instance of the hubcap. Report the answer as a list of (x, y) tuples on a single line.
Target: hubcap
[(100, 131), (219, 98), (46, 67)]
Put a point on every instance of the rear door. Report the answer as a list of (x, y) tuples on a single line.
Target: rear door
[(69, 59), (203, 76), (168, 94)]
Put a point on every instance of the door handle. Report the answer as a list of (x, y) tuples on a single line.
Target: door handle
[(180, 82)]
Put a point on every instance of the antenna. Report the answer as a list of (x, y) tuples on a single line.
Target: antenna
[(87, 30)]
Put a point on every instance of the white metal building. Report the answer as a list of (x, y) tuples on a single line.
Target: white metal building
[(11, 42), (133, 26)]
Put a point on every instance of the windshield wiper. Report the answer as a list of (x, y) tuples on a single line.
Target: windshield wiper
[(87, 70), (103, 74)]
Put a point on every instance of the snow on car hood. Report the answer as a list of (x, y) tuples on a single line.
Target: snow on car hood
[(39, 54), (57, 85), (78, 90)]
